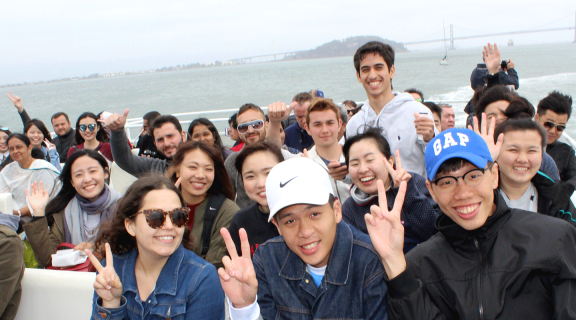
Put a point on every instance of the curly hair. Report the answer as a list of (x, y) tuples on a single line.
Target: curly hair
[(115, 233)]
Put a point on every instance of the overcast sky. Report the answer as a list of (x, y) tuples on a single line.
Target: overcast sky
[(43, 40)]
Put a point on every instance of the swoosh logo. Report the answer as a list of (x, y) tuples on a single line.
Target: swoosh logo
[(285, 183)]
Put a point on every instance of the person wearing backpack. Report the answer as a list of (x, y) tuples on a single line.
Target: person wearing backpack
[(203, 180)]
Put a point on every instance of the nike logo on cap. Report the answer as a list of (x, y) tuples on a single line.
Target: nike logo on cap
[(283, 184)]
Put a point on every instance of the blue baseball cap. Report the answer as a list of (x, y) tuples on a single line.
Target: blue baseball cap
[(456, 143)]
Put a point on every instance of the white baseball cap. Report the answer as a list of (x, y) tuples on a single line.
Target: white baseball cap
[(297, 181)]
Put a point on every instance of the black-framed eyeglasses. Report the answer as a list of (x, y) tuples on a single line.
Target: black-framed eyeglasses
[(91, 127), (256, 125), (471, 178), (550, 125), (156, 217)]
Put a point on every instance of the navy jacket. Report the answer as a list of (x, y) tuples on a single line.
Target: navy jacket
[(298, 138)]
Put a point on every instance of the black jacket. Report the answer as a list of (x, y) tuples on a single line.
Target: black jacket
[(63, 143), (565, 159), (519, 265), (554, 198)]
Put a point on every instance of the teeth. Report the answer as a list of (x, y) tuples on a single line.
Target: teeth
[(197, 184), (90, 187), (367, 178), (166, 238), (467, 209), (263, 193), (520, 168), (311, 246)]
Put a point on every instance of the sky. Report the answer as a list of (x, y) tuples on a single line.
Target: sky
[(44, 40)]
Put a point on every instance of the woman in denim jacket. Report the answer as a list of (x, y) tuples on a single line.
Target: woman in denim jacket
[(154, 274)]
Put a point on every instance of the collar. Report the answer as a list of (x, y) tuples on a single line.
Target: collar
[(338, 264), (167, 282), (66, 135), (462, 240)]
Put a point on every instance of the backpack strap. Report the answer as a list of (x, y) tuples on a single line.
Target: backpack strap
[(212, 209)]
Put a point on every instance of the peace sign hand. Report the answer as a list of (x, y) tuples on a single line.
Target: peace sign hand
[(107, 284), (49, 144), (238, 278), (16, 101), (399, 174), (387, 232)]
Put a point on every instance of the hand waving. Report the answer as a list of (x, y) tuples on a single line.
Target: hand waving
[(387, 232), (107, 284), (399, 174), (115, 121), (37, 198), (491, 56), (486, 131), (16, 101), (238, 278)]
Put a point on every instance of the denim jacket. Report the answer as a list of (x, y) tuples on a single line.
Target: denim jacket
[(188, 288), (353, 286)]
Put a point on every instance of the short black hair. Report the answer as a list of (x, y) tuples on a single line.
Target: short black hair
[(331, 200), (232, 121), (264, 146), (521, 124), (434, 108), (151, 116), (374, 134), (416, 91), (374, 47), (454, 164), (161, 120), (556, 102)]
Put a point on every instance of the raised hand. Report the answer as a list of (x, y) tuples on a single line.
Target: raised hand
[(399, 174), (49, 144), (337, 170), (107, 285), (387, 232), (424, 126), (491, 56), (278, 111), (37, 198), (486, 131), (238, 278), (115, 121), (16, 101)]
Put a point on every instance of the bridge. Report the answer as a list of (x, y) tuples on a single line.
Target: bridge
[(272, 55)]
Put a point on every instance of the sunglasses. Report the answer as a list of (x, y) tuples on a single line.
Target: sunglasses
[(550, 125), (90, 127), (156, 217), (4, 128), (256, 125)]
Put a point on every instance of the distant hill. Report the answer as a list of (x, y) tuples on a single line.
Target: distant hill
[(343, 48)]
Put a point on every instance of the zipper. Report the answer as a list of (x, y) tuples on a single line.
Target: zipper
[(479, 281)]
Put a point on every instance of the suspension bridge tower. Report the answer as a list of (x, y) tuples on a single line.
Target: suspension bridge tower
[(452, 38), (574, 28)]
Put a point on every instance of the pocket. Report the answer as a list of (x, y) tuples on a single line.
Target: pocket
[(169, 311)]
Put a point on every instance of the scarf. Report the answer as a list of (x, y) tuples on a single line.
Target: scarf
[(82, 217)]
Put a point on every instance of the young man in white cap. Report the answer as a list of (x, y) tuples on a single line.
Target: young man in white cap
[(487, 261), (318, 268)]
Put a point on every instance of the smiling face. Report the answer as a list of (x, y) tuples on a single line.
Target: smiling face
[(19, 152), (202, 133), (468, 206), (252, 136), (35, 135), (61, 125), (555, 118), (197, 175), (520, 157), (324, 127), (88, 177), (88, 135), (167, 139), (3, 145), (255, 170), (366, 166), (309, 230), (496, 110), (375, 75), (156, 243)]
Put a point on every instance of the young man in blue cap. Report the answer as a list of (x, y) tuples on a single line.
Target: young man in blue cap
[(487, 261), (319, 268)]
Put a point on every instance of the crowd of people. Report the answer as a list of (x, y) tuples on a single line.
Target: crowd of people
[(351, 211)]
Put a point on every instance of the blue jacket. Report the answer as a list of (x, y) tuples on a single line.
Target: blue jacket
[(352, 288), (188, 288), (298, 138)]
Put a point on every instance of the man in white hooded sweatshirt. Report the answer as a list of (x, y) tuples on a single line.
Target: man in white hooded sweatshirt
[(406, 124)]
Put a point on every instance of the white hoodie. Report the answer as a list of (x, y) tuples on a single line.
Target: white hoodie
[(397, 123)]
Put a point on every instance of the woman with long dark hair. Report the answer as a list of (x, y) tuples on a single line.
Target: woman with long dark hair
[(91, 135), (202, 129), (76, 213), (204, 184), (40, 138)]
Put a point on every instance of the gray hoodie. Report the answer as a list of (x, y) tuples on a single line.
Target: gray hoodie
[(9, 220)]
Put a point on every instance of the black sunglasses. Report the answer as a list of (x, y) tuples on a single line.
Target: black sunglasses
[(157, 217), (550, 125), (90, 127), (256, 125)]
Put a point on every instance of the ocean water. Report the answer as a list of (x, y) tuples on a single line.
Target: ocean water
[(542, 68)]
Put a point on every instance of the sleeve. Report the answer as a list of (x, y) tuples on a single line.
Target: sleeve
[(251, 312), (206, 297), (231, 169), (12, 266), (564, 284), (265, 300), (48, 178), (374, 291), (25, 118), (419, 209), (569, 174), (55, 158), (549, 167), (101, 313), (129, 162), (408, 299), (217, 249), (4, 188), (513, 77), (42, 240)]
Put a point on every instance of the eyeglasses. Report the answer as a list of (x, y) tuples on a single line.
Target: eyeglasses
[(256, 125), (471, 178), (91, 127), (550, 125), (156, 217)]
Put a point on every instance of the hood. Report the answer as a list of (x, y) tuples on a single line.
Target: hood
[(360, 197), (399, 99), (9, 220)]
